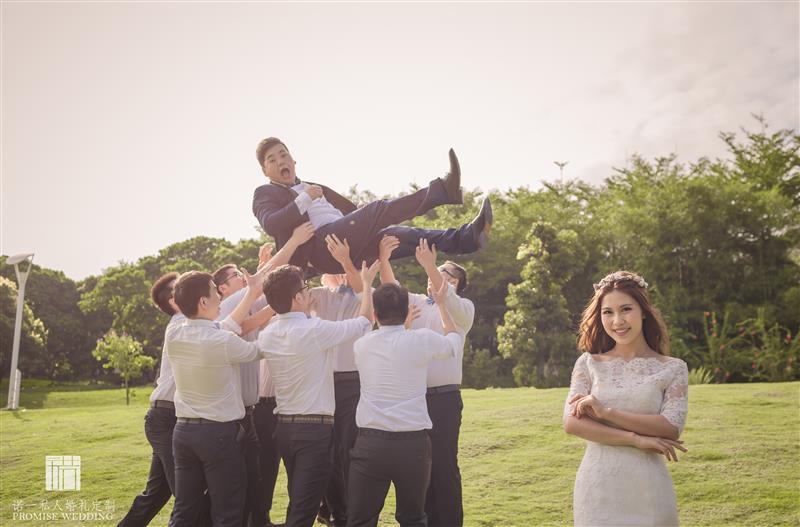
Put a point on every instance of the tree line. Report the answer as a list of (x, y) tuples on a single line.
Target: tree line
[(717, 240)]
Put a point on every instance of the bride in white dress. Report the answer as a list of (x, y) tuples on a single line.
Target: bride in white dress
[(628, 399)]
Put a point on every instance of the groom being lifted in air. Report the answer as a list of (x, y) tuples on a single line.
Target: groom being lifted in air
[(286, 202)]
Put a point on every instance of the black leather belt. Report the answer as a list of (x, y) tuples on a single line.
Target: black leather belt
[(160, 403), (266, 400), (310, 419), (447, 388), (392, 435), (248, 410), (345, 376), (200, 421)]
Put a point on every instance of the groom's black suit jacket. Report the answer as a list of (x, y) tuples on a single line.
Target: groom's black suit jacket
[(274, 206)]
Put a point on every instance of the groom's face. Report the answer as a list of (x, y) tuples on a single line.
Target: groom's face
[(279, 165)]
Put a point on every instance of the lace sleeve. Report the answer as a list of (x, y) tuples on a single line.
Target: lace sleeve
[(581, 383), (676, 397)]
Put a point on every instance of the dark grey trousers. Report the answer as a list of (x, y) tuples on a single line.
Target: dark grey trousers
[(306, 453), (269, 458), (443, 503), (208, 455), (345, 431), (158, 426), (379, 459)]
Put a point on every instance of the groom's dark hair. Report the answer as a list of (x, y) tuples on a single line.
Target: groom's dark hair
[(263, 146)]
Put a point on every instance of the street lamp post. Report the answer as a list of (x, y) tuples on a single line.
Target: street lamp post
[(22, 277)]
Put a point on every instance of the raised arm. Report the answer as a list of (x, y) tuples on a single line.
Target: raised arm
[(254, 283), (300, 235), (257, 319), (367, 276), (426, 256), (438, 297), (340, 250), (386, 247)]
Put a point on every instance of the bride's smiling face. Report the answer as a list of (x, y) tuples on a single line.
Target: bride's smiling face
[(622, 317)]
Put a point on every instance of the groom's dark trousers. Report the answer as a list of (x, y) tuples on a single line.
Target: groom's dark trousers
[(274, 206)]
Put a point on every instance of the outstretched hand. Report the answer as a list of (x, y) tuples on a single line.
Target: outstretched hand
[(255, 282), (340, 250), (265, 253), (368, 274), (386, 247), (426, 256), (413, 314), (302, 233)]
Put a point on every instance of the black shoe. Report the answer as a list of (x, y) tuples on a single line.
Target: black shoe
[(452, 181), (482, 224)]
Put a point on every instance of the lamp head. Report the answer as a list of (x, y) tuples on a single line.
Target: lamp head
[(18, 258)]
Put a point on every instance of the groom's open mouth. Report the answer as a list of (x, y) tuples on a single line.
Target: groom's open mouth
[(285, 173)]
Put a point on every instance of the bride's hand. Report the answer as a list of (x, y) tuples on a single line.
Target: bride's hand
[(659, 444), (589, 406)]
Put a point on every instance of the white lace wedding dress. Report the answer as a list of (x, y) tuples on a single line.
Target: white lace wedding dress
[(622, 485)]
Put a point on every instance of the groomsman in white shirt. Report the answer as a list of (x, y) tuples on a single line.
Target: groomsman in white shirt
[(339, 298), (207, 438), (299, 352), (232, 289), (393, 444), (159, 422), (444, 500)]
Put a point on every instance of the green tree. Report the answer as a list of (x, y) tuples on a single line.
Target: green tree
[(33, 358), (123, 355), (537, 330)]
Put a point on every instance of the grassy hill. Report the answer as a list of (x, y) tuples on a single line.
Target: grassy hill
[(518, 466)]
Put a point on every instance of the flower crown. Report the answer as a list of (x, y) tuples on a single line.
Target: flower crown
[(620, 277)]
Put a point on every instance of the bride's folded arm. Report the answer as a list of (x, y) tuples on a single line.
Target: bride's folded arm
[(591, 430), (645, 424)]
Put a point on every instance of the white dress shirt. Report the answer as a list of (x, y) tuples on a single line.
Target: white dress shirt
[(392, 364), (249, 371), (299, 356), (320, 211), (165, 385), (205, 363), (462, 311), (341, 304)]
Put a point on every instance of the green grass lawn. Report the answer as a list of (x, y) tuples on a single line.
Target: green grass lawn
[(518, 466)]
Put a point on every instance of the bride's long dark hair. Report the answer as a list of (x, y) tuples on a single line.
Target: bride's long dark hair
[(593, 337)]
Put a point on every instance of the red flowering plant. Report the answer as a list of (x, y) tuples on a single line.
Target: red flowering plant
[(726, 352), (775, 351)]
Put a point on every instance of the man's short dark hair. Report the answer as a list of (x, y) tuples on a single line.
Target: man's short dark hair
[(281, 285), (161, 292), (221, 275), (390, 302), (190, 288), (263, 146), (460, 274)]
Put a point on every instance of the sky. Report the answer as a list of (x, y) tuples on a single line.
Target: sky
[(125, 127)]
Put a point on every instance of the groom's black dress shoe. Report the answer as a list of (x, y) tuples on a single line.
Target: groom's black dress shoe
[(452, 181), (482, 224)]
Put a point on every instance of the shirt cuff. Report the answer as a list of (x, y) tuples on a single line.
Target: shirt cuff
[(303, 202), (229, 324)]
